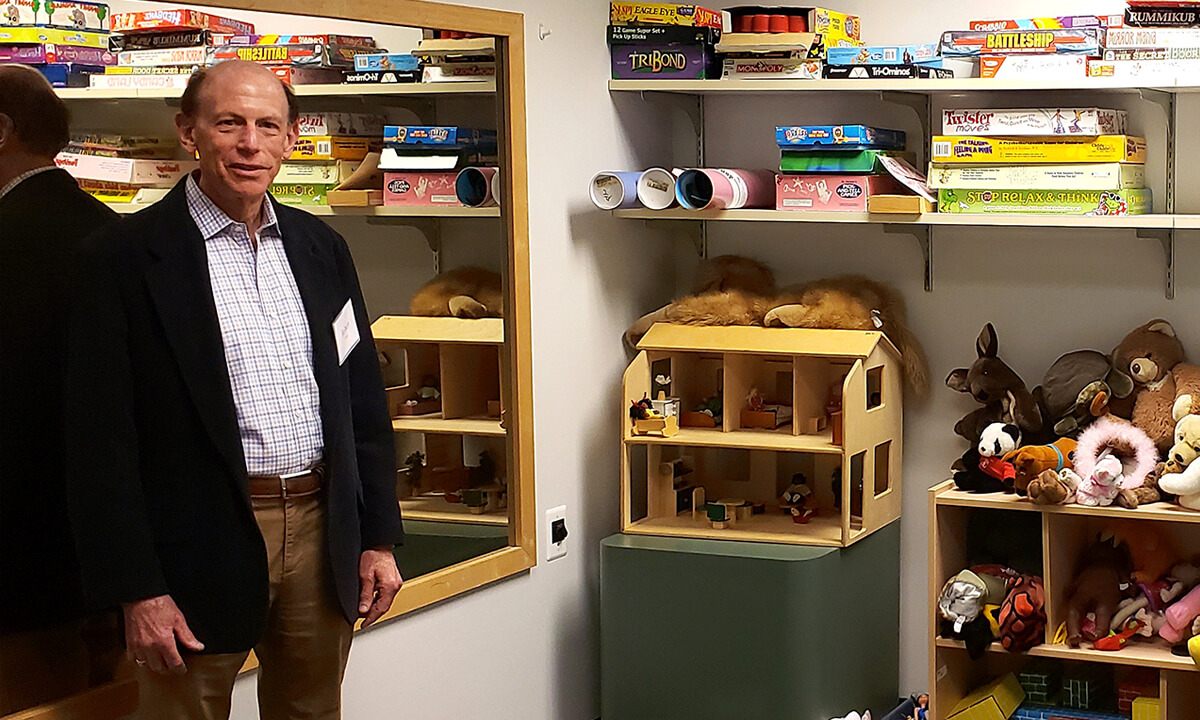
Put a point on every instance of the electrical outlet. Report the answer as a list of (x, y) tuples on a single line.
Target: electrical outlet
[(556, 532)]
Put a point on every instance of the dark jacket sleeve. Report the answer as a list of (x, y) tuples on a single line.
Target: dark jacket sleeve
[(104, 491), (374, 439)]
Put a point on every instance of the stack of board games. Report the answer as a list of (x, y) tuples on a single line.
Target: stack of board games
[(786, 43), (1160, 44), (892, 62), (421, 162), (653, 41), (329, 150), (161, 48), (455, 57), (122, 169), (1051, 48), (65, 41), (834, 168), (299, 59), (1045, 161)]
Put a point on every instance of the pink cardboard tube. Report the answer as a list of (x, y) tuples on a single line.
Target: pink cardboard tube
[(478, 186), (725, 189)]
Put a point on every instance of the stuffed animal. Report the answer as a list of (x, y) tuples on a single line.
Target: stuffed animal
[(854, 302), (1076, 390), (996, 441), (1152, 550), (466, 292), (1181, 476), (1154, 357), (1111, 455), (969, 475), (1023, 614), (1032, 460), (1102, 569), (998, 388), (1054, 487)]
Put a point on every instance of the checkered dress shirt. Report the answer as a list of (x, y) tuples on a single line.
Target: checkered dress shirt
[(268, 345)]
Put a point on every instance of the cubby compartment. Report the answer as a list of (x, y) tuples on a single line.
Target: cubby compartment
[(793, 402), (452, 477), (442, 374)]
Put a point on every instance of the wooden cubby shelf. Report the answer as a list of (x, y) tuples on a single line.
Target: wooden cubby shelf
[(461, 359), (1060, 533), (832, 411)]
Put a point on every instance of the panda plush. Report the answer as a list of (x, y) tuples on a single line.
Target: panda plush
[(982, 467)]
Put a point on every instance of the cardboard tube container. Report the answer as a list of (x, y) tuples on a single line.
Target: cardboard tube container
[(656, 188), (478, 186), (615, 190), (723, 189)]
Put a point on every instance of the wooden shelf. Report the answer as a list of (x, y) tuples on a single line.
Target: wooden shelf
[(951, 496), (437, 509), (436, 425), (1154, 221), (379, 211), (949, 86), (774, 527), (409, 328), (781, 440), (1139, 653), (474, 87)]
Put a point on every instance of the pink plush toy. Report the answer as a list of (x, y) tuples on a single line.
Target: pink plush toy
[(1180, 617), (1111, 456)]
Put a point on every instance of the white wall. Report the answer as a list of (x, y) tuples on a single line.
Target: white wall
[(527, 648)]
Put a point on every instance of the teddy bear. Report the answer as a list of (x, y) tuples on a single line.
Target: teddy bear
[(733, 290), (466, 292), (1181, 476), (1154, 357), (998, 388)]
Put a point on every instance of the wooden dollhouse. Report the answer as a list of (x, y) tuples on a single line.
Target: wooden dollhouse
[(761, 413), (442, 377)]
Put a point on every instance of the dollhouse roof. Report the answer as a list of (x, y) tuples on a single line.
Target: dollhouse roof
[(767, 341), (483, 331)]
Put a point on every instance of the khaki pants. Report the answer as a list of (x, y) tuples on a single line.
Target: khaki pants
[(302, 654)]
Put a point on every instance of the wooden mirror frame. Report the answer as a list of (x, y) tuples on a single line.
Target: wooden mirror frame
[(509, 30)]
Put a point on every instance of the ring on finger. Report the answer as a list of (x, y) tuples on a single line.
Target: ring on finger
[(139, 661)]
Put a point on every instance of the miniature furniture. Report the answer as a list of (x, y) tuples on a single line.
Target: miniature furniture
[(713, 629), (462, 359), (1061, 531), (851, 458)]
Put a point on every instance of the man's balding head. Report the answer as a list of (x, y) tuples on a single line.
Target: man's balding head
[(233, 71), (32, 116)]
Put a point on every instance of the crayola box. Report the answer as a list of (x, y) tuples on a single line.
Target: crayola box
[(993, 150), (635, 13), (831, 193), (967, 43), (1045, 202)]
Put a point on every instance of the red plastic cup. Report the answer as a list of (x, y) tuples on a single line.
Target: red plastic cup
[(760, 23), (741, 24), (797, 23), (777, 23)]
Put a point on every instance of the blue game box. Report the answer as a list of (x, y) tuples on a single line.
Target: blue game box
[(444, 137), (838, 137)]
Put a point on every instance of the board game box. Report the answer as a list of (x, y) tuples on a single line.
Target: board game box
[(167, 20), (303, 194), (968, 43), (359, 41), (313, 55), (1076, 176), (1168, 53), (831, 193), (156, 40), (440, 136), (1045, 202), (316, 172), (198, 56), (1034, 122), (663, 62), (881, 55), (862, 162), (1034, 67), (1146, 71), (66, 14), (1162, 16), (1133, 38), (330, 147), (384, 77), (58, 36), (984, 150), (824, 137), (1069, 22), (152, 173), (341, 123), (420, 189), (878, 72), (364, 62), (662, 35), (771, 69), (43, 53), (636, 13)]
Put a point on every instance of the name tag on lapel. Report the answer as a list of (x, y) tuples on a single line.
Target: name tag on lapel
[(345, 331)]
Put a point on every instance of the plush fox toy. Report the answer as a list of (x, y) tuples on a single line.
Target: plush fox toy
[(466, 292)]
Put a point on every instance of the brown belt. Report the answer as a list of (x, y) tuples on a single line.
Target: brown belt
[(291, 485)]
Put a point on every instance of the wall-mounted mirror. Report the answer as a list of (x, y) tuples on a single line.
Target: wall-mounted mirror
[(443, 262)]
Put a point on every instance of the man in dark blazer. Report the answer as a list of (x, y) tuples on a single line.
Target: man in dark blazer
[(232, 460), (44, 217)]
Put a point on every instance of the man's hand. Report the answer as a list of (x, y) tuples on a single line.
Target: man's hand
[(380, 580), (152, 627)]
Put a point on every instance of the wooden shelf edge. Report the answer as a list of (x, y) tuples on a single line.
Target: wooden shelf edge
[(495, 520), (115, 700), (1137, 655), (947, 495), (1152, 221), (764, 441), (648, 527)]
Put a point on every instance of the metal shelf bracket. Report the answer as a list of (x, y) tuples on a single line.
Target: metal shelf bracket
[(918, 102), (1167, 239), (923, 234), (429, 227), (691, 105)]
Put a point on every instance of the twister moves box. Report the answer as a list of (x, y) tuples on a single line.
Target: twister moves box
[(881, 55), (831, 193), (982, 149), (1075, 176), (420, 189), (1045, 202), (1069, 22), (66, 14), (825, 137), (967, 43), (635, 13), (1034, 122)]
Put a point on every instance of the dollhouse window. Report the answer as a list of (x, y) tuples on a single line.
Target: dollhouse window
[(883, 461), (875, 388)]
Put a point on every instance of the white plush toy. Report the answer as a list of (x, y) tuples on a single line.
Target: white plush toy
[(1182, 476), (855, 716)]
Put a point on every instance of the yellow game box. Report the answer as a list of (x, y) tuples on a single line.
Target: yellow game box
[(636, 13), (331, 147), (952, 149)]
